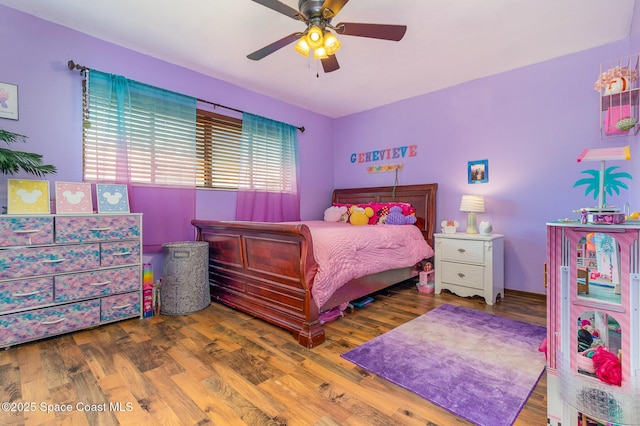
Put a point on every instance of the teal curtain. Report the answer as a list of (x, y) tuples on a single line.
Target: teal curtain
[(268, 190), (144, 137)]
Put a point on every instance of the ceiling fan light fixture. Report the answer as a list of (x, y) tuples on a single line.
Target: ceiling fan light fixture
[(331, 43), (302, 47), (320, 53), (315, 38)]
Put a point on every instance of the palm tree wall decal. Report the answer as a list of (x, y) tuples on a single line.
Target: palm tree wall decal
[(602, 182)]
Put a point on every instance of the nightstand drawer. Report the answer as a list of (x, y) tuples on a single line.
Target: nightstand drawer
[(471, 276), (467, 251)]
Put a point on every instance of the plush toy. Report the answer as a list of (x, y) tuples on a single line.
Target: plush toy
[(360, 216), (395, 217), (335, 214), (607, 365)]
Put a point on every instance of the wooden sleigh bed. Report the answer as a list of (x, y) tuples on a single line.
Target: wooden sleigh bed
[(267, 269)]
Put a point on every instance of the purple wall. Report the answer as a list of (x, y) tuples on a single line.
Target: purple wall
[(531, 124), (50, 105)]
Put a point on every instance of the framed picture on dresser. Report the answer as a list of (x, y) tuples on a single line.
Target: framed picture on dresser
[(26, 196), (73, 197), (112, 198)]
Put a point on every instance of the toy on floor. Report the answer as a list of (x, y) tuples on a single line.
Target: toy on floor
[(363, 301), (333, 313), (425, 284)]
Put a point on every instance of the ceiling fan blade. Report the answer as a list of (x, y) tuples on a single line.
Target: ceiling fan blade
[(330, 8), (276, 45), (280, 7), (381, 31), (330, 63)]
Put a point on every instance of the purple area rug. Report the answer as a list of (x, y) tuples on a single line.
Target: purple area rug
[(479, 366)]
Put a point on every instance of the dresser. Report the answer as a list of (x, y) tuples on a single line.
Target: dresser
[(470, 265), (61, 273)]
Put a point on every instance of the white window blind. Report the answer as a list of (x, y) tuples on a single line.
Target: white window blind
[(161, 148), (160, 139)]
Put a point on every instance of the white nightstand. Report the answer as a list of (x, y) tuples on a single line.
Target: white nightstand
[(470, 265)]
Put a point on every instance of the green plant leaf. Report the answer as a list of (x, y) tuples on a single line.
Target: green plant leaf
[(12, 162)]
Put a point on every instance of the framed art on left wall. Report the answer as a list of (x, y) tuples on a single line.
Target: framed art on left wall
[(8, 101)]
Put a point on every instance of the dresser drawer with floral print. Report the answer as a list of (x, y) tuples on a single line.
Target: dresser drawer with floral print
[(26, 293), (25, 231), (46, 322), (97, 228), (120, 306), (120, 253), (96, 283), (33, 261)]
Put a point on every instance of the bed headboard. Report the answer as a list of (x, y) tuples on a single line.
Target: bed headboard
[(421, 197)]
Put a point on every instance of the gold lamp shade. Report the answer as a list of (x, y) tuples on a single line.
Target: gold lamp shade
[(315, 37), (302, 47), (323, 45), (331, 43), (320, 53)]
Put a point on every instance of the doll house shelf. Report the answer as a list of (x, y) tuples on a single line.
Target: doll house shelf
[(619, 92), (608, 314)]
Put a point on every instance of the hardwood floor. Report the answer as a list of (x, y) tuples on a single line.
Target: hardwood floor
[(223, 367)]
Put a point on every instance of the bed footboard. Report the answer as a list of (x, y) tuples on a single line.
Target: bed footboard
[(265, 270)]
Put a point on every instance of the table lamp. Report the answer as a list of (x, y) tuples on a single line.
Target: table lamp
[(472, 204)]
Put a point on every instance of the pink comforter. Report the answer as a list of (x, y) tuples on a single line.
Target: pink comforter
[(344, 252)]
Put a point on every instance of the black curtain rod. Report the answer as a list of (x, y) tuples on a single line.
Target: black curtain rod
[(72, 65)]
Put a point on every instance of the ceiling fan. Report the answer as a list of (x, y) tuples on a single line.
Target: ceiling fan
[(317, 15)]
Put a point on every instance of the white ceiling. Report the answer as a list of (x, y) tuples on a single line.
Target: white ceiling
[(447, 42)]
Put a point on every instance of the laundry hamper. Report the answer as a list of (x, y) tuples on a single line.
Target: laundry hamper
[(185, 278)]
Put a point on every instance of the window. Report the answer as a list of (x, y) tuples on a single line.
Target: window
[(159, 147), (222, 155), (142, 135), (217, 150)]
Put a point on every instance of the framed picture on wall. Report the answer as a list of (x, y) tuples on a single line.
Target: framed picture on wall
[(8, 101), (28, 196), (112, 198), (478, 171), (73, 197)]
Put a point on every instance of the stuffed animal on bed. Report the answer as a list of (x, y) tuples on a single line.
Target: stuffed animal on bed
[(395, 217), (360, 216), (335, 214)]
